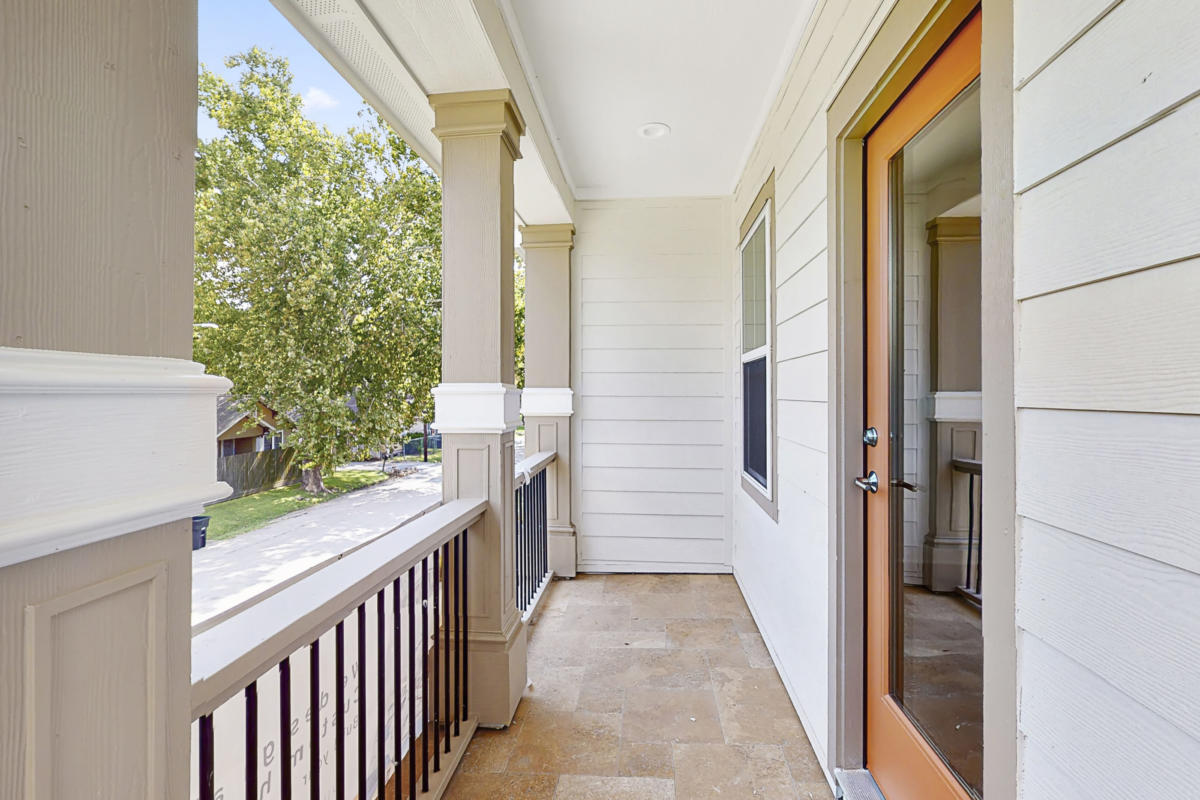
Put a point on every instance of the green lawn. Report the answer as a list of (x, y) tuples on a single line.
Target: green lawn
[(435, 456), (253, 511)]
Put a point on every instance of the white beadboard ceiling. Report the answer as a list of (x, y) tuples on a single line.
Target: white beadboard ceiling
[(708, 68)]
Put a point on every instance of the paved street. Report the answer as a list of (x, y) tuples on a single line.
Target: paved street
[(227, 573)]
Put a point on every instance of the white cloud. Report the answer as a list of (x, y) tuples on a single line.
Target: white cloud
[(318, 99)]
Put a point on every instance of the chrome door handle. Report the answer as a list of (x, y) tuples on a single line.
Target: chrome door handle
[(869, 483)]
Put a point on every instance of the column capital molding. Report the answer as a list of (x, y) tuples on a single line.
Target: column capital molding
[(952, 229), (476, 408), (547, 402), (548, 236), (479, 113), (142, 437)]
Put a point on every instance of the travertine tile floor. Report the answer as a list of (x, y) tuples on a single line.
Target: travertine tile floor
[(645, 686)]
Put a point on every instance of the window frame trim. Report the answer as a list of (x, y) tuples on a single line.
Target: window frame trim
[(765, 494)]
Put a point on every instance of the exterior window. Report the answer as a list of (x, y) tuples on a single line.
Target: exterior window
[(269, 441), (228, 447), (756, 352)]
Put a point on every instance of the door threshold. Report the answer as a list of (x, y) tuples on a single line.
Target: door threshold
[(856, 784)]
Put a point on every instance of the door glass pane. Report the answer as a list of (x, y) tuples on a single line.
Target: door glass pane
[(937, 668)]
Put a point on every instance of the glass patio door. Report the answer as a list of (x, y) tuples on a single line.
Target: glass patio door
[(924, 649)]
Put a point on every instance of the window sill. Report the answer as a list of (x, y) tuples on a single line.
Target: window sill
[(769, 506)]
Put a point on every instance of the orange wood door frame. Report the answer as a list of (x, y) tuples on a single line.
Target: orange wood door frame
[(902, 762)]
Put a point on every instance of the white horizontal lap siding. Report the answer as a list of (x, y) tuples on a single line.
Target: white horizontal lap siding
[(1107, 152), (650, 345), (783, 567)]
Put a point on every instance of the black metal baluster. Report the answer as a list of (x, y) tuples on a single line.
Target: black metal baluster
[(381, 678), (517, 526), (314, 719), (437, 717), (534, 575), (545, 526), (458, 633), (424, 653), (466, 684), (339, 764), (251, 693), (542, 526), (445, 578), (207, 772), (397, 674), (970, 525), (412, 685), (979, 560), (527, 567), (534, 569), (285, 727), (362, 701), (970, 529)]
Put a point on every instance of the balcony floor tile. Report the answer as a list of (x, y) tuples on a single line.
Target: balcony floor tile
[(645, 686)]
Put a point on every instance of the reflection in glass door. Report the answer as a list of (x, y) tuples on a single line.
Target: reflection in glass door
[(937, 668)]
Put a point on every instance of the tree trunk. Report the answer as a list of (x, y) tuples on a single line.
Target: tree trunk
[(312, 482), (424, 441)]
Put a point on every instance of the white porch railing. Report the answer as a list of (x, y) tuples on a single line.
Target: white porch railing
[(392, 699), (532, 562)]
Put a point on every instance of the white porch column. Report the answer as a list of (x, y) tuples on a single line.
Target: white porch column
[(547, 402), (477, 404)]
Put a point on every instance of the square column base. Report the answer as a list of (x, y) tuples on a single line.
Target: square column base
[(945, 563), (562, 553), (498, 676)]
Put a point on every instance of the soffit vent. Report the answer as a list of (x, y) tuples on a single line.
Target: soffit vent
[(349, 40)]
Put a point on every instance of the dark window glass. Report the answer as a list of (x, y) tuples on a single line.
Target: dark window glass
[(754, 424)]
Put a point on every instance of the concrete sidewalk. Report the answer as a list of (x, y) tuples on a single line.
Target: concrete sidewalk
[(230, 572)]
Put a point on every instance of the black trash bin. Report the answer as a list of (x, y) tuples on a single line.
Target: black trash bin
[(199, 532)]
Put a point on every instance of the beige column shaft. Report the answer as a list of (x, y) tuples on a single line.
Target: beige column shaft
[(96, 258), (547, 403), (477, 404)]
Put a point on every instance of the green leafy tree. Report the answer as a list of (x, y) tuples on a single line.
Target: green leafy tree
[(318, 260), (519, 319)]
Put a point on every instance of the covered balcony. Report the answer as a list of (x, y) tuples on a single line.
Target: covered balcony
[(779, 297)]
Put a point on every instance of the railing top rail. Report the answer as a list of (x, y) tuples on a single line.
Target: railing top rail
[(228, 656), (529, 466), (970, 465)]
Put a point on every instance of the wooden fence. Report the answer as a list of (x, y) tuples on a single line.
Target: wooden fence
[(248, 473)]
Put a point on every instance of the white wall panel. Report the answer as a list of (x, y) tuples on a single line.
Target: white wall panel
[(663, 336), (1043, 30), (1138, 60), (783, 566), (1106, 277), (1079, 227), (650, 349)]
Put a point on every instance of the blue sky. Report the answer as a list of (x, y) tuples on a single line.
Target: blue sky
[(233, 26)]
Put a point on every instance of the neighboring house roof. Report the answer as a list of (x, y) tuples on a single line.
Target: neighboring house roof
[(230, 413)]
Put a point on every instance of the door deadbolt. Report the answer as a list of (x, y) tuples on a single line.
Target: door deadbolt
[(871, 437)]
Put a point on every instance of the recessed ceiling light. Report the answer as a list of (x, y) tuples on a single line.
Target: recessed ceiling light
[(655, 130)]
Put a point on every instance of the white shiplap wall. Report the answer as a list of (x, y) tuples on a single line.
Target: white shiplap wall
[(1107, 272), (650, 316), (783, 568)]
